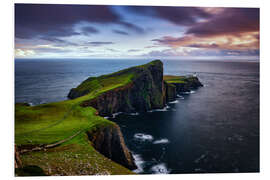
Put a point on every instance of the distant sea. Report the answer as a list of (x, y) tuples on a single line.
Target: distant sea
[(212, 129)]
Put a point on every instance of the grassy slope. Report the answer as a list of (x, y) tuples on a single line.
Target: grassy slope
[(175, 79), (113, 80), (53, 122), (50, 123)]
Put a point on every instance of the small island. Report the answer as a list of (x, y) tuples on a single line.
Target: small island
[(72, 137)]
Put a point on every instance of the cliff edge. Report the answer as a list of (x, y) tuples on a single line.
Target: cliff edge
[(142, 90)]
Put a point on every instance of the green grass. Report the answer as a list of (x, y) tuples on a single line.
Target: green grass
[(50, 123), (54, 122), (98, 85), (175, 79)]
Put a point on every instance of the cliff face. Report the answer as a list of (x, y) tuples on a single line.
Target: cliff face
[(109, 141), (190, 83), (142, 93), (178, 84), (146, 88), (170, 91)]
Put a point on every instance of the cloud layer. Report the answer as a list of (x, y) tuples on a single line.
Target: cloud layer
[(230, 29), (100, 30)]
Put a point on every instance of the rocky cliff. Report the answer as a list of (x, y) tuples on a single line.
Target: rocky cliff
[(109, 141), (143, 92), (178, 84), (145, 88)]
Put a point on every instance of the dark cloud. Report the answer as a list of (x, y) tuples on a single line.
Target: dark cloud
[(58, 41), (120, 32), (99, 43), (35, 20), (89, 30), (231, 29), (170, 39), (132, 27), (177, 15), (230, 21)]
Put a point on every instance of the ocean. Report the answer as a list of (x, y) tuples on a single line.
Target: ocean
[(214, 129)]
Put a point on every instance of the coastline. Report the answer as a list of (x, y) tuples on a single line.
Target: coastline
[(79, 105)]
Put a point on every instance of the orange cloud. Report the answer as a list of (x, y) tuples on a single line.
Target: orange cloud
[(229, 42)]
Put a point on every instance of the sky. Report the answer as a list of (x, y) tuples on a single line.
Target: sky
[(100, 31)]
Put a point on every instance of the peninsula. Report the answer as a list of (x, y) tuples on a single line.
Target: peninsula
[(72, 137)]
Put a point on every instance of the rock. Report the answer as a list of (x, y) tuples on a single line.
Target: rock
[(190, 83), (178, 84), (109, 141), (170, 91)]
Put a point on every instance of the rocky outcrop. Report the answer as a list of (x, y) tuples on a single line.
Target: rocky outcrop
[(190, 83), (143, 93), (109, 141), (170, 91), (185, 85)]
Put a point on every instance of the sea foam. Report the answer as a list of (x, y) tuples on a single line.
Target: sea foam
[(160, 169), (143, 137), (174, 102), (163, 109), (161, 141), (139, 162)]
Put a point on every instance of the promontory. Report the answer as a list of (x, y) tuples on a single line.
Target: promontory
[(72, 137)]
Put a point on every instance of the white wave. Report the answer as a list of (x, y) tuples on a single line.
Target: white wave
[(180, 97), (115, 114), (187, 92), (174, 102), (192, 92), (163, 109), (161, 141), (139, 163), (160, 169), (106, 117), (143, 137)]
